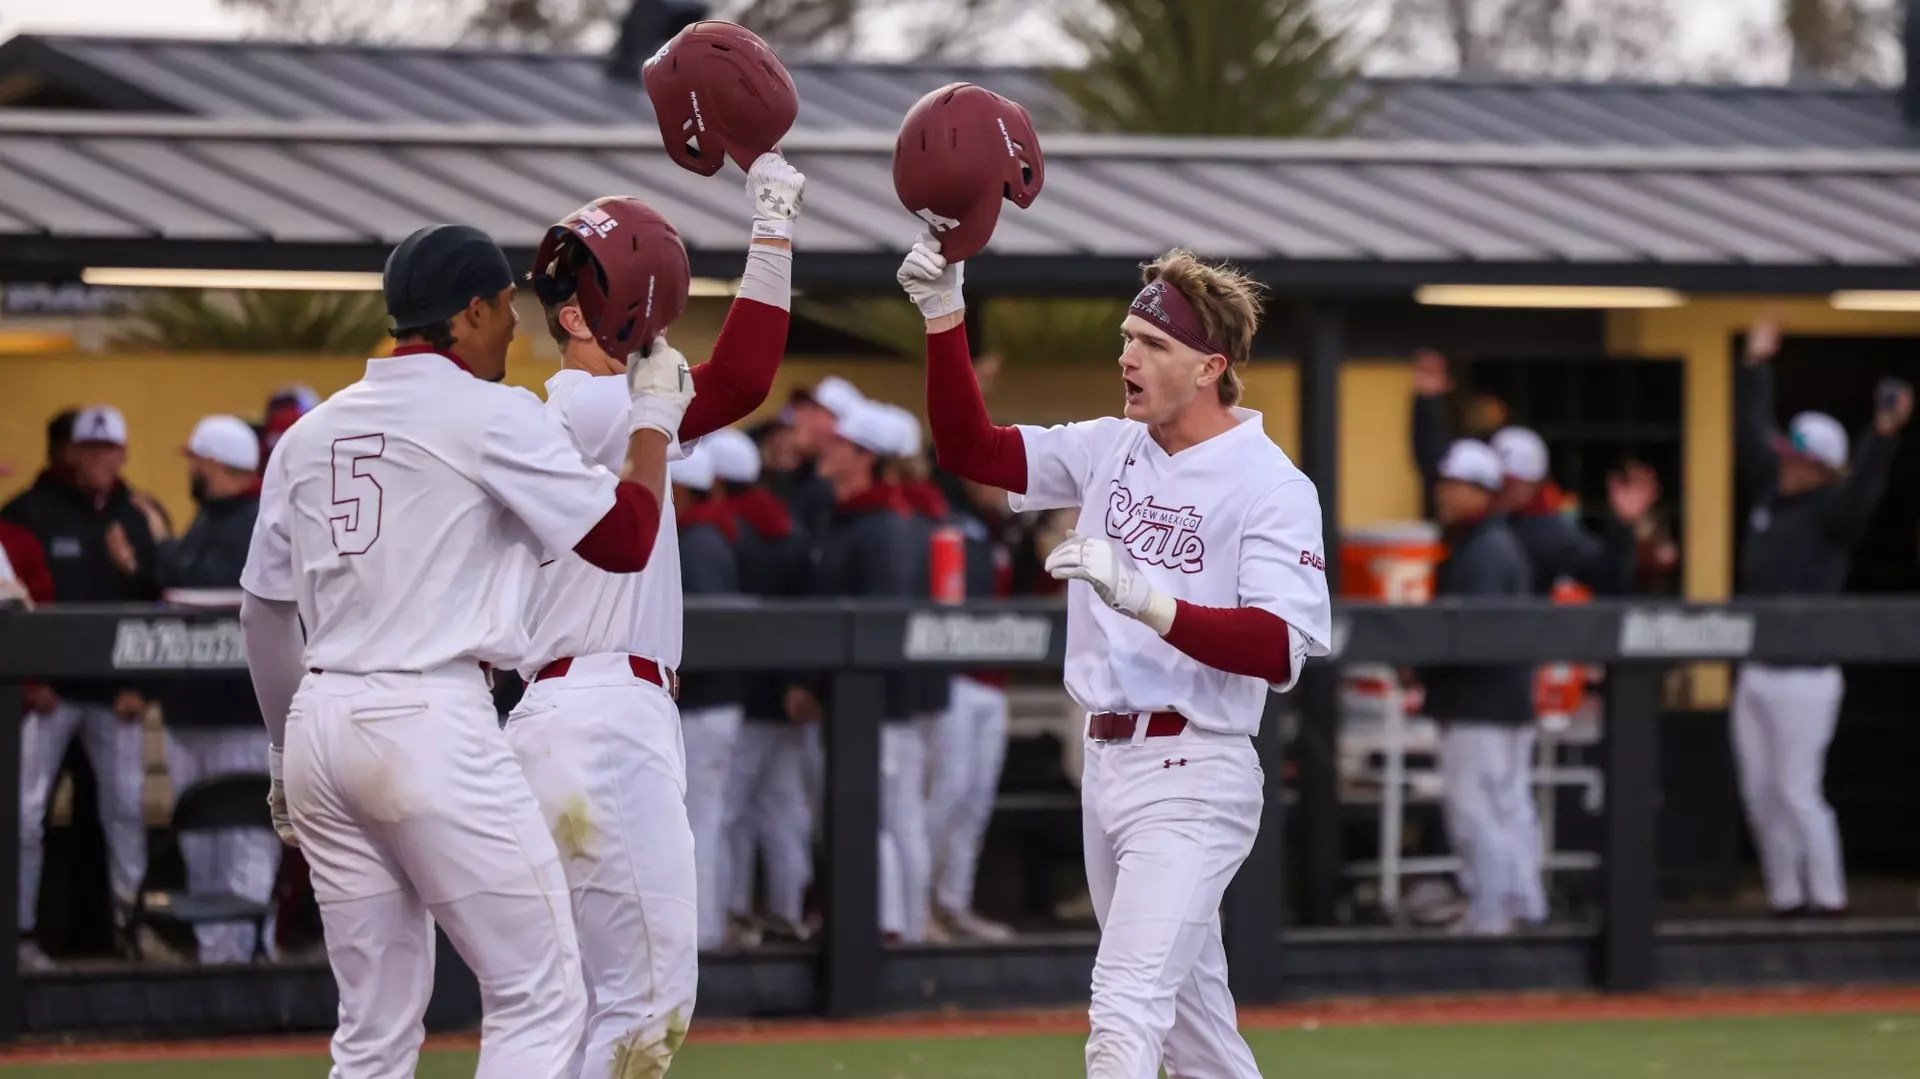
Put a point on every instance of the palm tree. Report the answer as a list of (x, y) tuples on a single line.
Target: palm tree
[(265, 321), (1269, 68)]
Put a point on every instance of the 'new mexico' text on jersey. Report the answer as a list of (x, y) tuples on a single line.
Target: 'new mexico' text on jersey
[(409, 513), (1230, 522)]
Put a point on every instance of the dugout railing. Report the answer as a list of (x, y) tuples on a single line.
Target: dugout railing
[(850, 972)]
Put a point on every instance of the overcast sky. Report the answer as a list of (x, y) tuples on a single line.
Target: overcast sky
[(1708, 23)]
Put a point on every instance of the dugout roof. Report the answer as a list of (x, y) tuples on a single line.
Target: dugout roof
[(272, 80), (79, 189)]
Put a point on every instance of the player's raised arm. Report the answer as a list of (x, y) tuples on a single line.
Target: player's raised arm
[(739, 374)]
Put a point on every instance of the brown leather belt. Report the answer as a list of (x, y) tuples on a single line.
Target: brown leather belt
[(643, 668), (1119, 726)]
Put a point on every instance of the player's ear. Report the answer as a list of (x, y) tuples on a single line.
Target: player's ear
[(574, 322), (1211, 370)]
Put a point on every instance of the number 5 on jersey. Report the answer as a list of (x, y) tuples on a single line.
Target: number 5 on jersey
[(356, 494)]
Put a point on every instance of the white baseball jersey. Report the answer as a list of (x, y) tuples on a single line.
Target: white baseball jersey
[(408, 516), (1230, 522), (579, 609)]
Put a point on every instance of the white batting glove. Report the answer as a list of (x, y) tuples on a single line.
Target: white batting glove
[(1115, 579), (776, 189), (660, 385), (932, 283), (277, 797)]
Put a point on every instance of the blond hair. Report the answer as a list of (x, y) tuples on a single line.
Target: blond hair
[(1227, 301)]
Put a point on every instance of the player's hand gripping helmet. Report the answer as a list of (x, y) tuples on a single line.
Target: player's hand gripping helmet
[(961, 150), (626, 264), (718, 92)]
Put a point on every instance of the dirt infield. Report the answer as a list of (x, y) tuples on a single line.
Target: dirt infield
[(1530, 1008)]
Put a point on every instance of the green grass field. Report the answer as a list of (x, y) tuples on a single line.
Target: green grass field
[(1789, 1047)]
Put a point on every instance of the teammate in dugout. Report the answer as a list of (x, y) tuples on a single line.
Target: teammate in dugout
[(710, 702), (402, 523), (598, 732), (1811, 506), (1485, 713), (768, 810), (1197, 585)]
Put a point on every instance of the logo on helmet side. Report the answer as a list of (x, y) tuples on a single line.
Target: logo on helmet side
[(1004, 137), (698, 120), (595, 222), (939, 223)]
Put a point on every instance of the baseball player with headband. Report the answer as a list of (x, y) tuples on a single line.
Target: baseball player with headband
[(1196, 585), (598, 732), (402, 523)]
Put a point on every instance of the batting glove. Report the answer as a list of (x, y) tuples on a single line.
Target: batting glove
[(277, 797), (932, 283), (776, 189), (1114, 578), (661, 387)]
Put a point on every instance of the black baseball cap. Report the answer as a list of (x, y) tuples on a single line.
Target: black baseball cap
[(436, 272)]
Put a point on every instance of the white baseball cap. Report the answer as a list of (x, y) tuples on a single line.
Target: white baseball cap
[(693, 471), (906, 431), (1470, 461), (100, 423), (837, 395), (1523, 454), (1818, 437), (735, 458), (868, 426), (228, 440)]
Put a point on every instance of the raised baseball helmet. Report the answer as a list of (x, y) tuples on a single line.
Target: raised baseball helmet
[(961, 150), (718, 92), (626, 264)]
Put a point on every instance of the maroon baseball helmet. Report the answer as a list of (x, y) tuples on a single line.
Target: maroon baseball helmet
[(961, 150), (719, 92), (626, 264)]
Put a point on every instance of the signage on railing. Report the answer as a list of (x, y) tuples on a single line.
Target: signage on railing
[(984, 638), (171, 644), (1686, 633)]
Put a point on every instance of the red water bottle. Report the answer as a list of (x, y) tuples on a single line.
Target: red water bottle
[(947, 562)]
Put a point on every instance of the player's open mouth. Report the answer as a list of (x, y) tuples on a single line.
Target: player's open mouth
[(1133, 389)]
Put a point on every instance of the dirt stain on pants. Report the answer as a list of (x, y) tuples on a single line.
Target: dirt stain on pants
[(637, 1058)]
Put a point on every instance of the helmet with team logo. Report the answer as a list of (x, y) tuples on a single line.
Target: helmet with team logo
[(718, 91), (961, 150), (626, 265)]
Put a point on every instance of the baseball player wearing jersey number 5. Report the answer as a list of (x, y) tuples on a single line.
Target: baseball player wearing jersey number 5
[(403, 523), (1196, 585)]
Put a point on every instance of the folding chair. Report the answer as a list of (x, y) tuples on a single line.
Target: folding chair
[(229, 801)]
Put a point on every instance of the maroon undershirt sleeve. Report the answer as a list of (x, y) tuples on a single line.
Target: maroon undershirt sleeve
[(739, 375), (965, 441), (1237, 640), (623, 540)]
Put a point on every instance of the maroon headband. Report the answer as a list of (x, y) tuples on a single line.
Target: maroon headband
[(1165, 307)]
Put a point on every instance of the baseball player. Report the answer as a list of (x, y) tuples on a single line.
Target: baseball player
[(768, 810), (598, 733), (402, 523), (1198, 584), (710, 703), (1811, 506), (1485, 713)]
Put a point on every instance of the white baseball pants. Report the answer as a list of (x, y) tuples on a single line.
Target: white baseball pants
[(768, 811), (602, 751), (906, 875), (1166, 823), (412, 811), (1487, 800), (237, 861), (113, 746), (969, 745), (710, 735), (1783, 721)]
